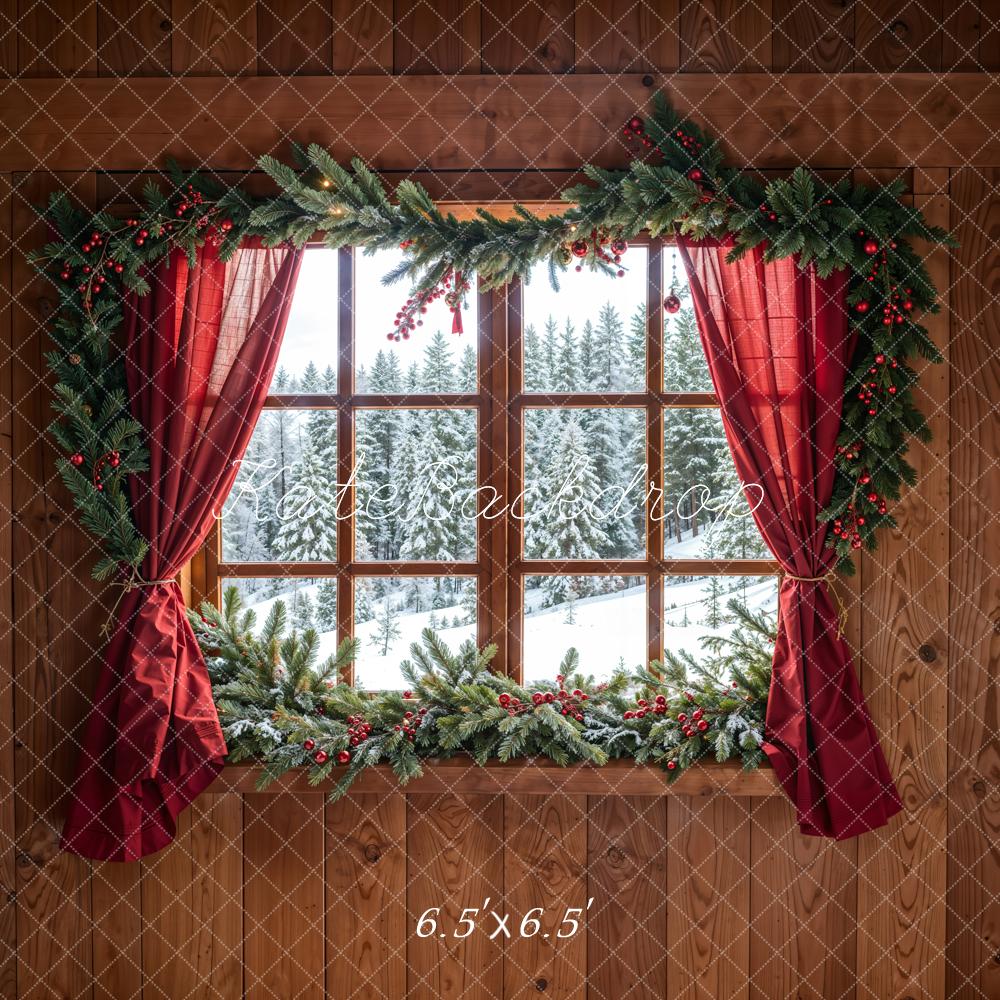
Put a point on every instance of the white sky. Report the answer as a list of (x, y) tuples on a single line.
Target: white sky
[(312, 325)]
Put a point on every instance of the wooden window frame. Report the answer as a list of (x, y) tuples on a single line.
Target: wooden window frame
[(500, 404)]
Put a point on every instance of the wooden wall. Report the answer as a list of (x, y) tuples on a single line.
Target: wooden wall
[(695, 896)]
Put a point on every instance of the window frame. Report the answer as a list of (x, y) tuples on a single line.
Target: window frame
[(500, 403)]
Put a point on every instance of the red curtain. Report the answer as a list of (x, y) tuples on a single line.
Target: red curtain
[(778, 347), (201, 349)]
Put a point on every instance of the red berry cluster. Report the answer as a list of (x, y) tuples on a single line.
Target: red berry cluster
[(358, 728), (452, 287), (766, 209), (697, 723), (635, 129), (600, 239), (411, 722), (321, 756), (644, 708), (112, 459)]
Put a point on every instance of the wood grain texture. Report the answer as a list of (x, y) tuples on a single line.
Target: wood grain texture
[(545, 866), (294, 37), (362, 36), (899, 36), (454, 860), (480, 123), (214, 38), (965, 27), (901, 882), (536, 776), (725, 36), (620, 36), (973, 932), (116, 901), (133, 38), (57, 39), (803, 905), (441, 38), (528, 38), (8, 880), (8, 37), (283, 897), (816, 37), (627, 878), (192, 906), (366, 916), (708, 938), (56, 617)]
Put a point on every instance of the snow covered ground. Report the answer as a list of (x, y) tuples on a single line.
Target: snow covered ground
[(608, 630)]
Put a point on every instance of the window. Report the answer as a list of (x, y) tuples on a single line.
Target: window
[(555, 476)]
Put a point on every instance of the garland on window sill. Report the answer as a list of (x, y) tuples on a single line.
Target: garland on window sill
[(281, 709), (677, 183)]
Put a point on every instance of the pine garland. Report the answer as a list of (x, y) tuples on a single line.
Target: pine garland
[(280, 708), (678, 184)]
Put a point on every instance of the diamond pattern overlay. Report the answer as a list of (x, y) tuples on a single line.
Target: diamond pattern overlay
[(715, 895)]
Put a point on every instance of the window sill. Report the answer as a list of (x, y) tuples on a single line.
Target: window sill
[(521, 777)]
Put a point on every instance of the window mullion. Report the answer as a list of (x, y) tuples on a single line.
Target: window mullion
[(345, 453), (654, 449), (514, 295)]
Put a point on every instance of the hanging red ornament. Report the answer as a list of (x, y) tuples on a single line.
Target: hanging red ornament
[(619, 246), (871, 247), (579, 248), (671, 303), (344, 757), (309, 745), (321, 756)]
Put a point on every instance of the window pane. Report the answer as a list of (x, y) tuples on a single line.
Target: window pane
[(307, 361), (697, 607), (590, 335), (308, 604), (684, 366), (391, 612), (602, 617), (416, 484), (706, 513), (283, 505), (584, 483), (432, 360)]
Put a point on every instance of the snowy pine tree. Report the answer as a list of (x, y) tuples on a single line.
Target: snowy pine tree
[(308, 512), (326, 606), (387, 629)]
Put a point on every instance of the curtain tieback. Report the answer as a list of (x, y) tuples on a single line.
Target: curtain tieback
[(828, 578), (134, 582)]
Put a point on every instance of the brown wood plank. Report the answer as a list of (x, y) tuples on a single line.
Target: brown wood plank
[(803, 902), (973, 933), (901, 882), (620, 36), (899, 36), (192, 913), (528, 38), (116, 901), (56, 620), (535, 776), (708, 941), (545, 865), (627, 879), (294, 37), (134, 38), (725, 36), (284, 906), (362, 39), (8, 38), (454, 861), (366, 919), (8, 877), (483, 123), (815, 37), (963, 30), (441, 38), (218, 38), (57, 39)]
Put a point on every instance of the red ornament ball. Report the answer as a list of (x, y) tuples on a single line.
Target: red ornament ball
[(619, 247), (671, 765), (76, 459), (695, 174), (871, 247), (671, 303), (861, 307), (321, 756), (578, 248), (344, 757), (309, 745)]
